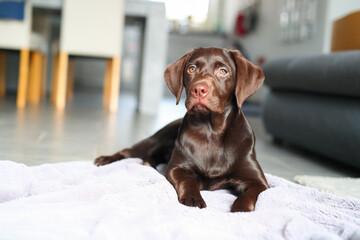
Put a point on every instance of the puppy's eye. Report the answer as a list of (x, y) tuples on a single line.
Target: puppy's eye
[(223, 71), (192, 69)]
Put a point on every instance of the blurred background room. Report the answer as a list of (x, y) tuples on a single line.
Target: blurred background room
[(80, 78)]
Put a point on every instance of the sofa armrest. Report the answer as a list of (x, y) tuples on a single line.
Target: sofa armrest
[(335, 73)]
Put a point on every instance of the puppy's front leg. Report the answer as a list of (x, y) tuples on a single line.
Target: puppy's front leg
[(153, 150), (248, 192), (187, 188)]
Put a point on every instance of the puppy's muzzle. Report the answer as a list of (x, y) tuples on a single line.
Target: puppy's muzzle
[(200, 90)]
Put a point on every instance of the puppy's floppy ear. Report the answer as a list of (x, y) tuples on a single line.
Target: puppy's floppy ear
[(249, 77), (174, 74)]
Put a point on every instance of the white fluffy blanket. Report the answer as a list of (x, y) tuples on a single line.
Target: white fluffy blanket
[(126, 200)]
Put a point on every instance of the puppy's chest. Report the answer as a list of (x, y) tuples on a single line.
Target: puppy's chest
[(209, 153)]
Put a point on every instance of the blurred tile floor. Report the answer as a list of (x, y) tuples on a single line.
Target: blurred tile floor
[(40, 134)]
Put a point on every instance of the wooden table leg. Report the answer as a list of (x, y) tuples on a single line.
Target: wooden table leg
[(54, 76), (43, 76), (106, 91), (2, 73), (60, 95), (23, 78), (34, 88), (70, 87), (112, 84)]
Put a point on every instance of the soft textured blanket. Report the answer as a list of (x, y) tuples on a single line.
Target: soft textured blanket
[(126, 200)]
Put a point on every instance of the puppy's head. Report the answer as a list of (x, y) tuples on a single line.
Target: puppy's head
[(213, 78)]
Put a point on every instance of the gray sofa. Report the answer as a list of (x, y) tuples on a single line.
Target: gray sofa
[(314, 102)]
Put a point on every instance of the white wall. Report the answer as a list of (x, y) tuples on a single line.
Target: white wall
[(231, 8), (265, 40), (179, 44)]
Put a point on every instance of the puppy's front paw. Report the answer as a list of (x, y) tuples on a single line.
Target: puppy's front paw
[(103, 160), (193, 201)]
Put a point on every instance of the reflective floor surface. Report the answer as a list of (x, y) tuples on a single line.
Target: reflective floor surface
[(40, 134)]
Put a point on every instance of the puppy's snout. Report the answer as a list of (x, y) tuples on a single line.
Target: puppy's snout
[(200, 90)]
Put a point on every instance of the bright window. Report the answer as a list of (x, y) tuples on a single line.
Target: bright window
[(182, 9)]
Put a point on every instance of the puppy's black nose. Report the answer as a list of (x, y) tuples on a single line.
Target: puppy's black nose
[(200, 90)]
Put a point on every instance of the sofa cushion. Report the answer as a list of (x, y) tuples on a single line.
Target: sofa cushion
[(323, 124), (335, 73)]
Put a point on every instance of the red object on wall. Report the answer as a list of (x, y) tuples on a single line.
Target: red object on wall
[(240, 28)]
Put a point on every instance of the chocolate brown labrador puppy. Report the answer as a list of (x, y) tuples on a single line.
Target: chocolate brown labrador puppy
[(212, 147)]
